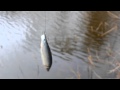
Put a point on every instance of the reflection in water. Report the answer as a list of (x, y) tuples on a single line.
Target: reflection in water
[(94, 40), (82, 43), (89, 34), (95, 28), (100, 23)]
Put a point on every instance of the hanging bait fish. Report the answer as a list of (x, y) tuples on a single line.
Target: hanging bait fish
[(46, 55)]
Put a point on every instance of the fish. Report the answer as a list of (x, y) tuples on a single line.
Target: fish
[(46, 54)]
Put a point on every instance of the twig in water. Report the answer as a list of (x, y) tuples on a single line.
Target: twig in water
[(106, 24), (90, 57), (112, 15), (90, 60), (118, 75), (114, 28), (21, 71), (77, 74), (99, 26), (97, 74), (109, 51), (92, 28), (115, 69)]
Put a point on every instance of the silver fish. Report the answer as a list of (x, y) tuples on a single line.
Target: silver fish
[(46, 54)]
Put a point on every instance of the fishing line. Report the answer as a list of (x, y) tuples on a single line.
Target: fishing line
[(45, 23)]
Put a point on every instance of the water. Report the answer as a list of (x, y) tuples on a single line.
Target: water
[(83, 44)]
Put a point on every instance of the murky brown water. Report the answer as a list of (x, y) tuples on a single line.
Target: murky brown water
[(83, 44)]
